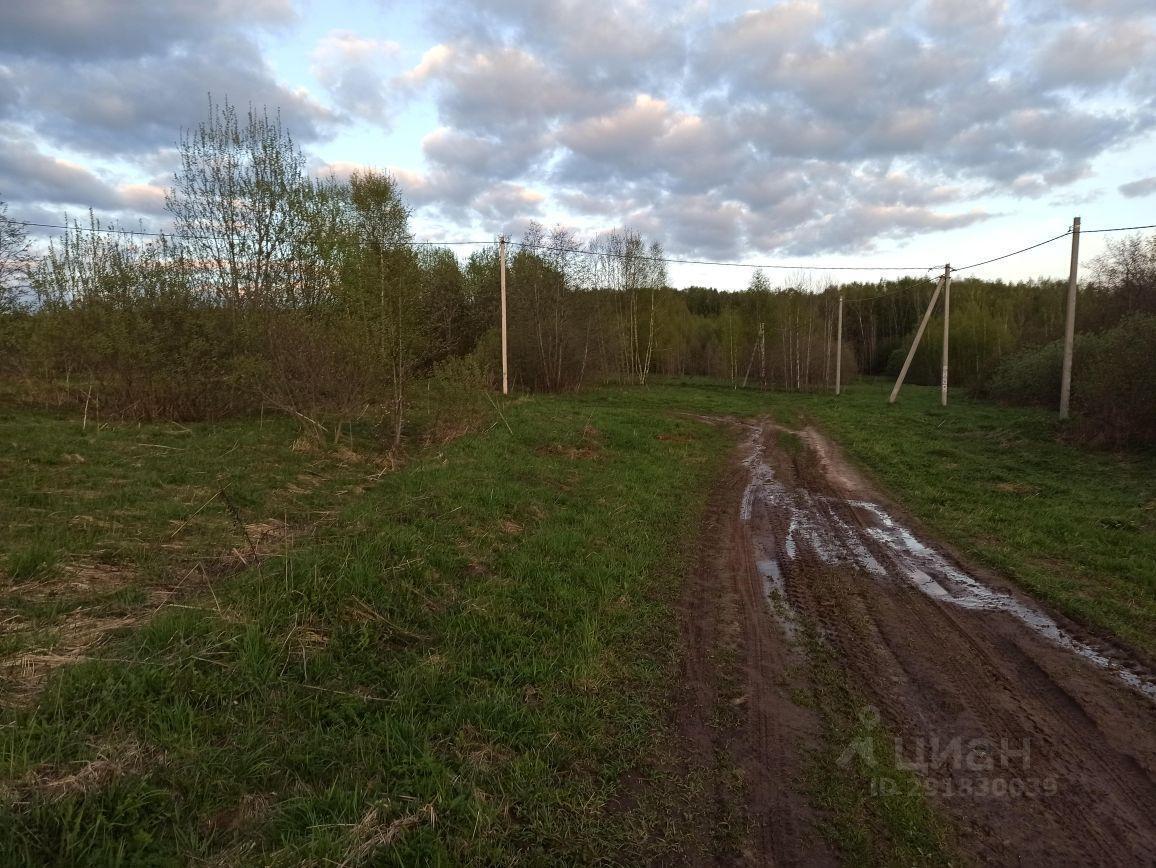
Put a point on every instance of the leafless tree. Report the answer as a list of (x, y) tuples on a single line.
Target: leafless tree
[(634, 273), (246, 209), (14, 260)]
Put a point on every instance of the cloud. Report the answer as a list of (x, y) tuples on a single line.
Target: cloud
[(353, 69), (615, 49), (1094, 54), (102, 29), (500, 89), (31, 177), (1139, 187), (950, 17), (806, 126), (508, 202), (136, 106), (812, 125)]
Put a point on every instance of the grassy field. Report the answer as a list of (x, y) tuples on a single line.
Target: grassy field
[(460, 658), (217, 648)]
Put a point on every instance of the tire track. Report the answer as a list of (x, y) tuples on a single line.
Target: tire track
[(988, 692)]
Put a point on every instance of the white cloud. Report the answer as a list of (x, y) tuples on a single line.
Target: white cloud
[(805, 126), (352, 69)]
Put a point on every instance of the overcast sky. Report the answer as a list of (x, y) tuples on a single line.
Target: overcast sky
[(826, 131)]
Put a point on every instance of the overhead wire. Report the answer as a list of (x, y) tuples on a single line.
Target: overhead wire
[(522, 244), (1014, 252), (614, 254), (112, 230), (766, 265)]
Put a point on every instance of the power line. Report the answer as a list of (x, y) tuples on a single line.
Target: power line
[(1049, 241), (115, 231), (899, 291), (648, 258), (522, 244), (640, 256), (1016, 252), (1118, 229)]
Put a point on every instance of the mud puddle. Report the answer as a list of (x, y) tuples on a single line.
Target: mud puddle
[(814, 523), (1067, 729)]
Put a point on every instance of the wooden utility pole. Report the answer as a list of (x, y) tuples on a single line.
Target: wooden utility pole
[(502, 269), (915, 343), (946, 331), (1070, 322), (839, 350), (762, 355)]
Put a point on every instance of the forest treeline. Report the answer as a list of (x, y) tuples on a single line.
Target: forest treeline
[(278, 290)]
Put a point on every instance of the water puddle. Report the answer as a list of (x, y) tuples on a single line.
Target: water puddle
[(814, 523)]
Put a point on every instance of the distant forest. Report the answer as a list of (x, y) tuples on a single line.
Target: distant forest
[(281, 291)]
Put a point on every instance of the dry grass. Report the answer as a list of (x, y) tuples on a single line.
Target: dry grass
[(24, 673), (113, 760), (375, 831)]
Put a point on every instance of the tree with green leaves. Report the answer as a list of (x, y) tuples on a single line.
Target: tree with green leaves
[(382, 283)]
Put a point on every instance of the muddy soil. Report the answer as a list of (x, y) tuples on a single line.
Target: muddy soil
[(1035, 740)]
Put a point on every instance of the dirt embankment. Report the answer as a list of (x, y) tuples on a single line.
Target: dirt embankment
[(1037, 742)]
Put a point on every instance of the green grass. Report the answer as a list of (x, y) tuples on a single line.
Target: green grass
[(465, 664), (873, 811), (465, 659)]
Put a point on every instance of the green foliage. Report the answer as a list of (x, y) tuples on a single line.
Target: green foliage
[(1114, 388), (1113, 381), (1033, 376), (306, 296)]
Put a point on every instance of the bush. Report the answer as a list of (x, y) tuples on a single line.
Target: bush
[(1113, 381), (455, 400), (1114, 388), (1033, 376)]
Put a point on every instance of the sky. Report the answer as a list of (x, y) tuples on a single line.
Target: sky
[(805, 132)]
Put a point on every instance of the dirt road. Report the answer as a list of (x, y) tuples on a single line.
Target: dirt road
[(1036, 742)]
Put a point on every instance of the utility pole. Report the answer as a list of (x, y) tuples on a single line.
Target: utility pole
[(839, 349), (1070, 322), (762, 355), (502, 269), (946, 331), (915, 343)]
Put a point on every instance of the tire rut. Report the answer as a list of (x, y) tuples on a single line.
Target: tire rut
[(1038, 743)]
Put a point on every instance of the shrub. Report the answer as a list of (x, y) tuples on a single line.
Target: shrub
[(1033, 376), (1114, 387), (1113, 381)]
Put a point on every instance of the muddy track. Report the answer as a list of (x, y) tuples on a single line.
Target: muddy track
[(1037, 742)]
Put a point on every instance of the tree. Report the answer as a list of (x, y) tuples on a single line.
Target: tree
[(383, 282), (14, 249), (759, 282), (1124, 281), (444, 303), (550, 342), (245, 207), (634, 274)]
